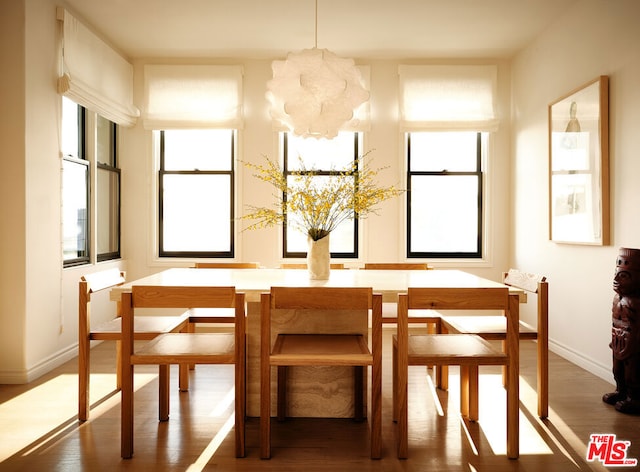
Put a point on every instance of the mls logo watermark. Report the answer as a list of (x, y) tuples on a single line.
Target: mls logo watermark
[(611, 452)]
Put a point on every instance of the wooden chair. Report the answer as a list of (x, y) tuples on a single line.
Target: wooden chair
[(494, 328), (321, 349), (183, 348), (466, 350), (145, 328), (292, 265)]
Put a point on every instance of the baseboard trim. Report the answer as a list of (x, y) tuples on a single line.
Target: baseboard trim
[(588, 364), (41, 368)]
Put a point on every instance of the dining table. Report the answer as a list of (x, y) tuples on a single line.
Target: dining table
[(326, 393)]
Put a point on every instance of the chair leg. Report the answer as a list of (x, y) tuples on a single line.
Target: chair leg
[(83, 379), (442, 370), (281, 381), (376, 410), (504, 367), (358, 392), (464, 391), (240, 404), (543, 378), (265, 416), (394, 382), (183, 377), (163, 392), (118, 365), (401, 407), (191, 328), (474, 377)]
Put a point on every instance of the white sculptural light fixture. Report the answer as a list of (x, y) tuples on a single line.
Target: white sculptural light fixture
[(314, 92)]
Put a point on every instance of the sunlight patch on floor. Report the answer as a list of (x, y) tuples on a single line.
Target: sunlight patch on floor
[(224, 403), (493, 420), (213, 446), (54, 416)]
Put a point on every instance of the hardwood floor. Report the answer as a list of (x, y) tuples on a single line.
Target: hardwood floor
[(39, 428)]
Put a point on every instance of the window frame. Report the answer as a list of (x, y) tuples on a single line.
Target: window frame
[(112, 169), (357, 138), (230, 254), (479, 173), (81, 160)]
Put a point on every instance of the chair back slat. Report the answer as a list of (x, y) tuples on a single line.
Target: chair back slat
[(335, 298), (524, 280), (302, 265), (148, 296), (227, 265), (396, 266), (495, 298), (103, 279)]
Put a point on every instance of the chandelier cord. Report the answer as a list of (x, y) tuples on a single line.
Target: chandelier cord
[(316, 26)]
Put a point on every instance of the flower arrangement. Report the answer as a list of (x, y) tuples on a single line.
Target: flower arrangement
[(318, 205)]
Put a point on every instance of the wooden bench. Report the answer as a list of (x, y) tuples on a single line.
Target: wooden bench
[(146, 328)]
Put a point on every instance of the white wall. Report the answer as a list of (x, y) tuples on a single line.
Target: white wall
[(38, 299), (12, 191), (597, 37)]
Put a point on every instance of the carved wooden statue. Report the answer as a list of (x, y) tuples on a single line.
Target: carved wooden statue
[(625, 333)]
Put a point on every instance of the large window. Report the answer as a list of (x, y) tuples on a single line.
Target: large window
[(90, 179), (324, 157), (196, 193), (75, 186), (107, 191), (444, 198)]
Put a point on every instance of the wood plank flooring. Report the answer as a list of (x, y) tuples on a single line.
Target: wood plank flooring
[(39, 429)]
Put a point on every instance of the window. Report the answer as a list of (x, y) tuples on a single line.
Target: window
[(196, 185), (107, 191), (324, 157), (75, 186), (444, 197)]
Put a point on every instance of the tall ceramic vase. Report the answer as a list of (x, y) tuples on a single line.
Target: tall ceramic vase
[(318, 258)]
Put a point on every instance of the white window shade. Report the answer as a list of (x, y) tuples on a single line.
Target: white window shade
[(449, 97), (94, 75), (192, 97)]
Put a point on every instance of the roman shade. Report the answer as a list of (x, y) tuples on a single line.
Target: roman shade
[(448, 97), (192, 96), (93, 74)]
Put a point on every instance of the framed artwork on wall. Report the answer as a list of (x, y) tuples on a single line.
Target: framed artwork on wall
[(579, 165)]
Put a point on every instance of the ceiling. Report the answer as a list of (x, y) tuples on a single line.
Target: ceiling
[(383, 29)]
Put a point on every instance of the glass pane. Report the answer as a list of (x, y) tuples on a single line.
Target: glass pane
[(321, 154), (74, 210), (196, 213), (444, 213), (208, 149), (341, 239), (108, 229), (341, 236), (70, 132), (438, 151), (105, 146)]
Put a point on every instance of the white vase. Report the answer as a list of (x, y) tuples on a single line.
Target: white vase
[(318, 258)]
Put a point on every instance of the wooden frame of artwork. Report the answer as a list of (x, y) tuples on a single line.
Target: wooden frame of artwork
[(579, 165)]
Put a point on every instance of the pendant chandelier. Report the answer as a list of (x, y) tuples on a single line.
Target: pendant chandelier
[(313, 93)]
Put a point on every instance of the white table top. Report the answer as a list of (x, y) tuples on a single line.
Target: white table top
[(255, 281)]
